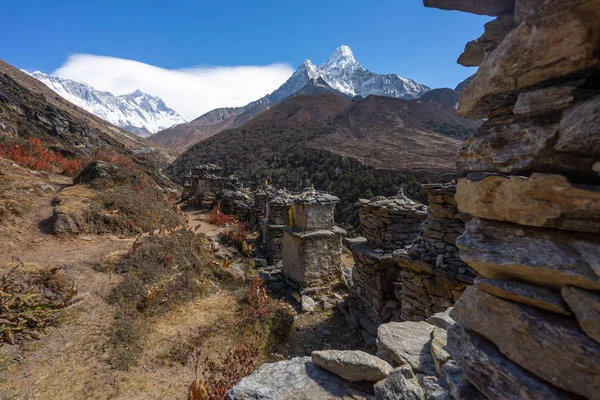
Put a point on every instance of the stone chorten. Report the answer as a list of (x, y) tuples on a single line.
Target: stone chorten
[(312, 247)]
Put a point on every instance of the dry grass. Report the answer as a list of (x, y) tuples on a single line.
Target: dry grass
[(29, 302)]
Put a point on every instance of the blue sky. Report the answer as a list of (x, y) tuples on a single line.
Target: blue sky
[(387, 36)]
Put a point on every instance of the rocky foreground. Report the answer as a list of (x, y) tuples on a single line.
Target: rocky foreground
[(411, 363)]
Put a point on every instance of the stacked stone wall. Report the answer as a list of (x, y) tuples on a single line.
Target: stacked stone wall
[(388, 224), (530, 326), (391, 223)]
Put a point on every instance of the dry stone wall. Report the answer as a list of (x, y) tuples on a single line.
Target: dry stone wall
[(530, 326), (391, 223)]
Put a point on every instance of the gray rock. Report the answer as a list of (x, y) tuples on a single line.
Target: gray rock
[(400, 384), (308, 304), (439, 354), (352, 365), (295, 379), (586, 306), (407, 343), (441, 320), (525, 293), (453, 379), (483, 7), (432, 388), (491, 372), (346, 278), (580, 129), (545, 101), (546, 257), (551, 346), (543, 200)]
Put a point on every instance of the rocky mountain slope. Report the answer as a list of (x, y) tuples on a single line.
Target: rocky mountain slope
[(29, 109), (341, 73), (137, 112)]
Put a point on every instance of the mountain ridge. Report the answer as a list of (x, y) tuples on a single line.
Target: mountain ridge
[(137, 112), (341, 72)]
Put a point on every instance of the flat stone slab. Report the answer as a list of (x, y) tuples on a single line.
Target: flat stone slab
[(352, 365), (525, 293), (542, 200), (295, 379), (551, 346), (407, 343), (546, 257), (586, 306), (494, 374)]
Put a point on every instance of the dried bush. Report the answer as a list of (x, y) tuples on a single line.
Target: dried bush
[(158, 272), (30, 301)]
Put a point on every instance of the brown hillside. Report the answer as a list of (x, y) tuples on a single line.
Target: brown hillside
[(29, 109)]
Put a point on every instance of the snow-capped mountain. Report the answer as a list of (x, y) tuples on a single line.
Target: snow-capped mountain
[(340, 74), (343, 73), (138, 112)]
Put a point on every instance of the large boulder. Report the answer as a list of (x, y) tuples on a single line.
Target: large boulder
[(400, 384), (352, 365), (551, 346), (295, 379), (407, 343)]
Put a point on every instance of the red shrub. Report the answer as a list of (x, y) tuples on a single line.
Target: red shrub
[(33, 155), (216, 217)]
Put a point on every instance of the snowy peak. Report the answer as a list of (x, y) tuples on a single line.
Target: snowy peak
[(343, 73), (138, 112), (342, 58)]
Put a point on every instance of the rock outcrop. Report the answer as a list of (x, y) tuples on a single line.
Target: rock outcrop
[(528, 328)]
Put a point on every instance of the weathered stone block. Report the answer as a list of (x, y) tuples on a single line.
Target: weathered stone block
[(483, 7), (352, 365), (525, 293), (495, 375), (544, 200), (552, 347), (312, 258), (558, 42), (407, 343), (400, 384), (546, 100), (580, 129), (586, 306), (495, 31), (542, 256)]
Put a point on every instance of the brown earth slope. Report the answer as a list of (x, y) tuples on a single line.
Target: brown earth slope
[(29, 109)]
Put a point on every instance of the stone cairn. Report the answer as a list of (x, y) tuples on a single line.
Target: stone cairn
[(388, 224), (530, 326), (277, 218), (312, 246), (432, 276), (202, 184)]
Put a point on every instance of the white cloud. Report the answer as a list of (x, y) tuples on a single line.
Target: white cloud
[(190, 91)]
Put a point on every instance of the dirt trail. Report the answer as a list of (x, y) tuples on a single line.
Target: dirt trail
[(69, 362)]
